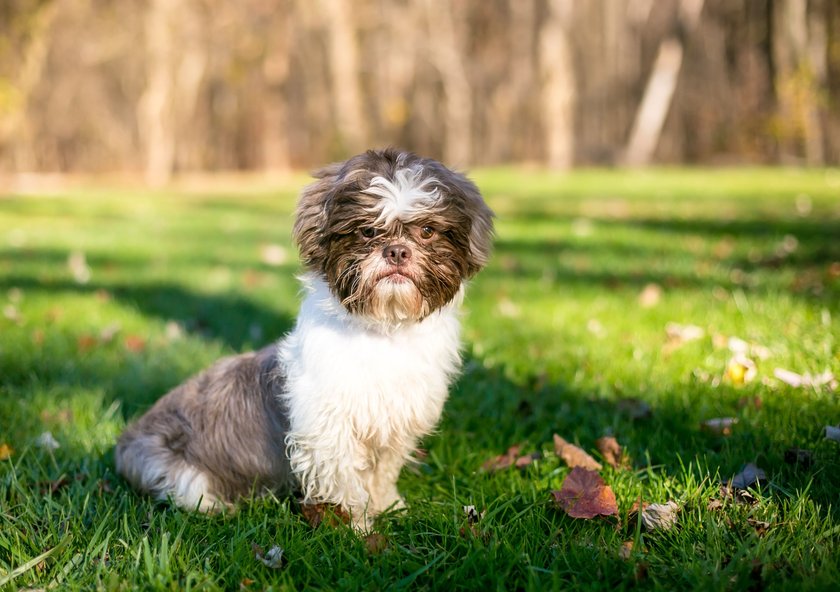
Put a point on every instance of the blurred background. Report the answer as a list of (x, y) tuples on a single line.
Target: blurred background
[(162, 87)]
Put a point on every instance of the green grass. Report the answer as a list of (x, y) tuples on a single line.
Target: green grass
[(555, 338)]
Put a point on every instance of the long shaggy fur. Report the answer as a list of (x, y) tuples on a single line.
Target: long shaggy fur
[(333, 409)]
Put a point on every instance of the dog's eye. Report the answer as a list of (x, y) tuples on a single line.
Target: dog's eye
[(368, 232), (427, 232)]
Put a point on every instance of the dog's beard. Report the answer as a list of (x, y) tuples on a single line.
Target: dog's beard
[(385, 293), (369, 287)]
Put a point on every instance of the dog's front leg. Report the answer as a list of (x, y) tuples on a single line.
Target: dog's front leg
[(332, 474), (382, 481)]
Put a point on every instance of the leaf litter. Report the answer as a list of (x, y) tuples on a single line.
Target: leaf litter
[(574, 456), (612, 452), (585, 495)]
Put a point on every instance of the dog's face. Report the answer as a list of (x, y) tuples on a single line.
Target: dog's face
[(393, 234)]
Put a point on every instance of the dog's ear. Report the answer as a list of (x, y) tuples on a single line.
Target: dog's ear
[(479, 215), (311, 216)]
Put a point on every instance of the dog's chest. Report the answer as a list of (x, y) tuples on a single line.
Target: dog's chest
[(377, 386)]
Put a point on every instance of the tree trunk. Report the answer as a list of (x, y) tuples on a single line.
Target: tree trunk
[(344, 74), (447, 57), (558, 98), (157, 124), (659, 92)]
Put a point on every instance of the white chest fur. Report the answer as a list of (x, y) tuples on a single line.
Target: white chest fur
[(356, 392)]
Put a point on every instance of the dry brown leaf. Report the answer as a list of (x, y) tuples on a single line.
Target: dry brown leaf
[(503, 461), (375, 543), (585, 495), (650, 295), (660, 516), (626, 550), (331, 515), (135, 343), (760, 526), (574, 456), (527, 460), (719, 425), (741, 496), (611, 450), (6, 451), (86, 343)]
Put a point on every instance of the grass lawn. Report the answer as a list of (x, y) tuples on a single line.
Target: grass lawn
[(111, 297)]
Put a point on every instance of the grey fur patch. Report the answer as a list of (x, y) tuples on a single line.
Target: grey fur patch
[(226, 422)]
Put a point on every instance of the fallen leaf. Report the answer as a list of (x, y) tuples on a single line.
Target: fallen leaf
[(375, 543), (48, 441), (135, 343), (650, 295), (526, 460), (585, 495), (272, 559), (6, 451), (626, 550), (11, 312), (760, 526), (806, 380), (611, 450), (508, 308), (832, 433), (273, 255), (174, 330), (107, 334), (719, 425), (316, 514), (86, 343), (574, 456), (634, 408), (740, 369), (739, 495), (503, 461), (77, 263), (714, 504), (799, 456), (679, 334), (473, 515), (245, 583), (750, 475), (660, 516)]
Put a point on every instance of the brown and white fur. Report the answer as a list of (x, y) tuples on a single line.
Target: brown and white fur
[(334, 409)]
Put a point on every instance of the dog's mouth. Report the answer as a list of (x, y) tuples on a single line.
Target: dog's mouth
[(396, 276)]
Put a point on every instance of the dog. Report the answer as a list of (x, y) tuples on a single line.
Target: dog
[(334, 409)]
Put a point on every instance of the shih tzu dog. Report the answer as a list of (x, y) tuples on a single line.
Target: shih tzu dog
[(334, 409)]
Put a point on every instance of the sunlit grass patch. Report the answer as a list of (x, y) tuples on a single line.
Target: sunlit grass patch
[(110, 298)]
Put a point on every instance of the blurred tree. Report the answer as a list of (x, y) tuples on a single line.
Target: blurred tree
[(164, 86)]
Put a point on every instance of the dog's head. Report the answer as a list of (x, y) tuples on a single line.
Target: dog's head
[(394, 235)]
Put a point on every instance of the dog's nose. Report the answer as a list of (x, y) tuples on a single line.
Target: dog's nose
[(396, 254)]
